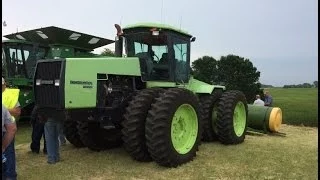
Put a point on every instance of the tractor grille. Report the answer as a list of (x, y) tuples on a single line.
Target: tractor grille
[(47, 93)]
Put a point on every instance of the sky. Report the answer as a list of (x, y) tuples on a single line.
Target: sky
[(280, 37)]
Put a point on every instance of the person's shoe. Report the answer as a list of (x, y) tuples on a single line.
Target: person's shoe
[(35, 151), (51, 162)]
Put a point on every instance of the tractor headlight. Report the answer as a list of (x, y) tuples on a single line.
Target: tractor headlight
[(38, 82), (109, 89), (57, 82), (155, 33)]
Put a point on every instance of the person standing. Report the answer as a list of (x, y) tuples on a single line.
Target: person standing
[(258, 101), (9, 129), (268, 99), (37, 132), (52, 129), (10, 102)]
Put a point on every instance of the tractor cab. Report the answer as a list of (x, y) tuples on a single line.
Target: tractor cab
[(19, 57), (164, 51)]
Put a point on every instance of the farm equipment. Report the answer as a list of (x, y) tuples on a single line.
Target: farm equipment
[(264, 119), (21, 52), (145, 98)]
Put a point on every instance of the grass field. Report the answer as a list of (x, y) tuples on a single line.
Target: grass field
[(299, 105), (259, 157)]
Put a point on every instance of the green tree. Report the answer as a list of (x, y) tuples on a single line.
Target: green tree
[(205, 69), (239, 73), (108, 52), (236, 73)]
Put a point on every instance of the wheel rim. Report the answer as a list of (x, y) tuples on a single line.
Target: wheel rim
[(184, 128), (214, 117), (239, 119)]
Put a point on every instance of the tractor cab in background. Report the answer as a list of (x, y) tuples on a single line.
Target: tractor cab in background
[(23, 49), (19, 58)]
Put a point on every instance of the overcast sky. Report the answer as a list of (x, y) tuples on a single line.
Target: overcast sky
[(280, 37)]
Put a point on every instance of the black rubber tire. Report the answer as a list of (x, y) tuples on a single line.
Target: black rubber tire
[(133, 132), (96, 138), (158, 127), (227, 104), (83, 130), (208, 103), (71, 132)]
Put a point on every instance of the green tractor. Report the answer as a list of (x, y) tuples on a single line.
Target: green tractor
[(23, 49), (145, 98)]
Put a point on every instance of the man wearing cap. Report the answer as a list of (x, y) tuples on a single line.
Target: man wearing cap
[(10, 102)]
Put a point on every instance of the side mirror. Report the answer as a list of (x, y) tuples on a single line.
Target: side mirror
[(193, 39)]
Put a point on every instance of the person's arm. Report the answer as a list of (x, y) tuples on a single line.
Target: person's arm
[(254, 102), (9, 135), (16, 111), (10, 127)]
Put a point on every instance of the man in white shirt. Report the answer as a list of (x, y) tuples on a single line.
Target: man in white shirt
[(258, 101)]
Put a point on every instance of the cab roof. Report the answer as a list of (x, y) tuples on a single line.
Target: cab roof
[(158, 26), (54, 35)]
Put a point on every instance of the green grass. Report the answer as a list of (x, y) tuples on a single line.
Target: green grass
[(259, 157), (299, 105)]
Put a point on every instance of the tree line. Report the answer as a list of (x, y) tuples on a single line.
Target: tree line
[(304, 85)]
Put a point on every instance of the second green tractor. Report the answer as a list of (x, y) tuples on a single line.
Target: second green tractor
[(145, 98)]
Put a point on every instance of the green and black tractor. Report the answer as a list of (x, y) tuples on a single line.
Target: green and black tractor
[(145, 98), (23, 49)]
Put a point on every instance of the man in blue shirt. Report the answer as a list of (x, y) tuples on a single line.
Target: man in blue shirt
[(267, 99)]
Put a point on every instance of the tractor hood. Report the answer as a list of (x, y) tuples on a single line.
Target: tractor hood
[(59, 83), (83, 74), (90, 67)]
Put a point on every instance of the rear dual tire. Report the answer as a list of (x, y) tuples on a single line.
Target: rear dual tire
[(225, 116), (232, 117)]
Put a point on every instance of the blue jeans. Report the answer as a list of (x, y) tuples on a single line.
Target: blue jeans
[(52, 130), (62, 137), (9, 167)]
